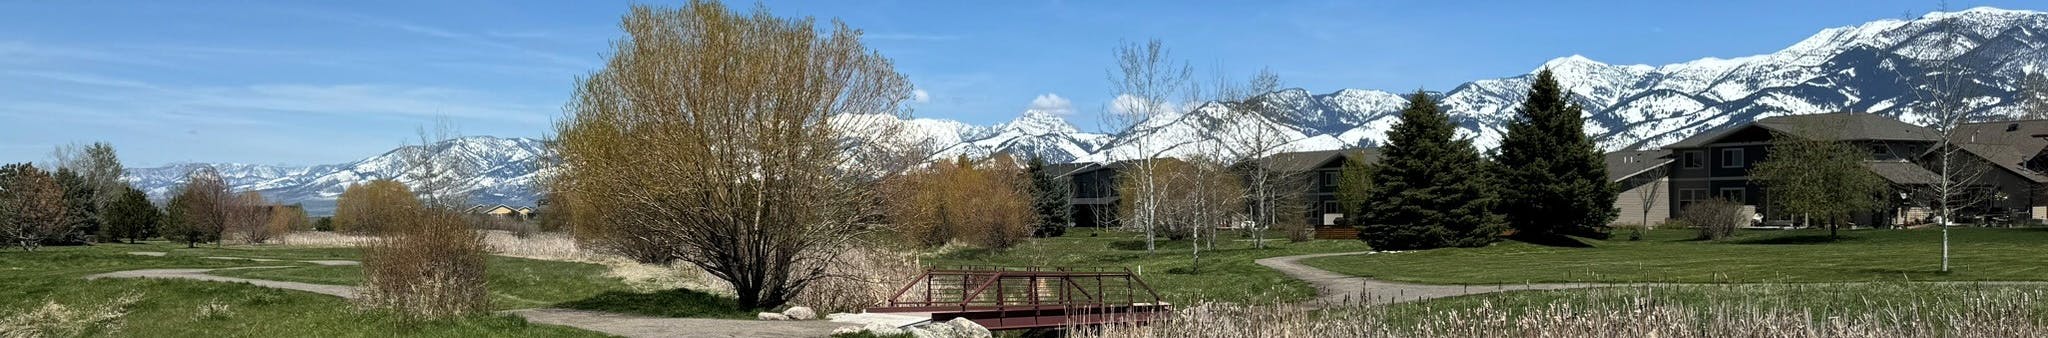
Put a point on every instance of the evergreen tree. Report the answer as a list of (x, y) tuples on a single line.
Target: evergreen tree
[(131, 217), (1430, 190), (81, 211), (1554, 181), (1049, 200)]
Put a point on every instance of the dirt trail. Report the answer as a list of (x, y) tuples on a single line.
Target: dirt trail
[(1337, 288), (609, 323)]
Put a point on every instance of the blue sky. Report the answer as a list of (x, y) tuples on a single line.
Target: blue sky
[(327, 82)]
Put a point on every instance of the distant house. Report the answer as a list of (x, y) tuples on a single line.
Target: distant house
[(2014, 156), (502, 210), (1643, 178)]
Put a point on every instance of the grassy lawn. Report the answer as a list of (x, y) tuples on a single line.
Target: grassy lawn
[(1753, 256), (31, 282), (1227, 272)]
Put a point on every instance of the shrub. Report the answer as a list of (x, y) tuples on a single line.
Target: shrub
[(1716, 219), (1635, 231), (429, 264), (323, 224), (374, 206)]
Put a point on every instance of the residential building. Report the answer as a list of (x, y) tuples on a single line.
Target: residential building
[(1717, 164), (1643, 178), (1316, 175)]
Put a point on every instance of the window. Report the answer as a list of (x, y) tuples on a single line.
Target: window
[(1687, 197), (1694, 159), (1731, 158), (1733, 195), (1329, 179), (1330, 207)]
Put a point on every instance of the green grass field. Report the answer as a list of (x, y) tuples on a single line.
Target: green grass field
[(31, 281), (1227, 272), (1752, 257)]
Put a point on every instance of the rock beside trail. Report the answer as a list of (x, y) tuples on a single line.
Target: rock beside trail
[(877, 330), (956, 328), (800, 313), (771, 316)]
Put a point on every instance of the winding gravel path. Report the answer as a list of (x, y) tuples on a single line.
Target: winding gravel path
[(609, 323), (1335, 288)]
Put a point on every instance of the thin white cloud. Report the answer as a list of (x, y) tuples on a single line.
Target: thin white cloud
[(480, 40), (1050, 103), (1128, 105)]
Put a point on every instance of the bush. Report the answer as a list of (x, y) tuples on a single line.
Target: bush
[(428, 265), (1716, 219), (323, 224), (1634, 231), (373, 207)]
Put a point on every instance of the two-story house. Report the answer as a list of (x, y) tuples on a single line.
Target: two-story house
[(1716, 164)]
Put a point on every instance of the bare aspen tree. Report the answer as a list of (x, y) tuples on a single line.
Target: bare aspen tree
[(1245, 140), (1147, 82), (1943, 96), (435, 176), (746, 144)]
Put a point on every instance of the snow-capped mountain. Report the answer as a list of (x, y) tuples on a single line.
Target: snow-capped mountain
[(502, 170), (1878, 67), (1875, 67)]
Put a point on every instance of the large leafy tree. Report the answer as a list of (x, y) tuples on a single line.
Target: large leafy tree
[(198, 212), (31, 206), (1049, 199), (1556, 182), (1430, 190), (724, 139), (131, 217), (1819, 177)]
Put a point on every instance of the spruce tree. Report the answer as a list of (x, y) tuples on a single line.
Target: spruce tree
[(130, 217), (1048, 199), (1430, 190), (81, 211), (1554, 181)]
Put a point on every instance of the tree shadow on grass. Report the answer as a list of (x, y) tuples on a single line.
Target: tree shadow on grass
[(1794, 240), (1552, 241), (669, 303)]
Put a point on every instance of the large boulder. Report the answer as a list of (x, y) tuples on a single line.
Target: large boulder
[(956, 328), (771, 316), (800, 313)]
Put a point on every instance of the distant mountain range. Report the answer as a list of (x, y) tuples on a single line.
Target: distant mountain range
[(505, 170), (1874, 67)]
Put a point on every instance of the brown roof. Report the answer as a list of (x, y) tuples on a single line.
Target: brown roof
[(1830, 126), (1902, 172), (1310, 160), (2007, 144), (1620, 166)]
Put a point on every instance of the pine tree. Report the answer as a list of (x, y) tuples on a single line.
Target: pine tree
[(1430, 190), (1554, 181), (130, 217), (81, 210), (1049, 200)]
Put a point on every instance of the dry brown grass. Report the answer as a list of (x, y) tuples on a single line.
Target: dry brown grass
[(55, 319), (1625, 313), (864, 277), (430, 266)]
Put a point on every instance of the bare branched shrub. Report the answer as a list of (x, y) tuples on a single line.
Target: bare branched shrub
[(1716, 219), (249, 219), (428, 265), (371, 207), (865, 277), (986, 204)]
